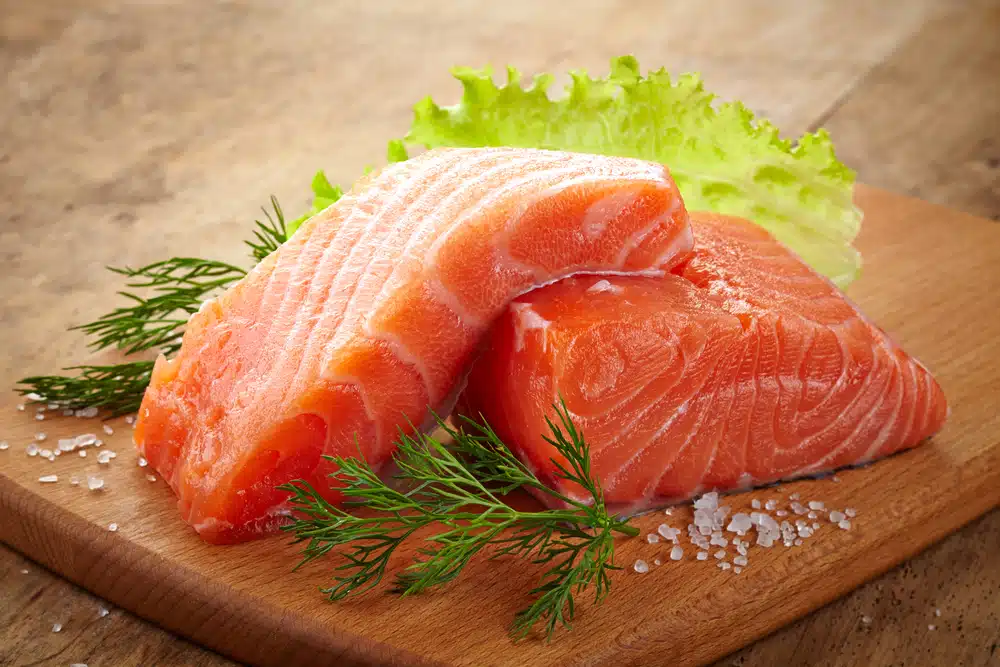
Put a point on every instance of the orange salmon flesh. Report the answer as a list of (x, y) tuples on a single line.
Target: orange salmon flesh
[(740, 368)]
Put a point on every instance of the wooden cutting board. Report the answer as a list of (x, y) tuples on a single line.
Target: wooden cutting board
[(931, 278)]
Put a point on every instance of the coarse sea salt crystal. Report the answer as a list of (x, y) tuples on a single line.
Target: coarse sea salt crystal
[(107, 429), (40, 437), (4, 445), (87, 413), (794, 496), (851, 512), (740, 524), (657, 562), (142, 462), (737, 570), (702, 555), (816, 504), (709, 501), (85, 440), (740, 560), (798, 542), (724, 565), (102, 612), (40, 416), (112, 527), (866, 620), (652, 538), (48, 479), (74, 480), (94, 483), (844, 525), (718, 540), (836, 517), (641, 566), (798, 508), (668, 512), (770, 504), (104, 457), (720, 554), (755, 504), (151, 478), (932, 627), (667, 532), (937, 612), (83, 453), (130, 419), (20, 407), (782, 513), (56, 627), (676, 553), (812, 515), (78, 664)]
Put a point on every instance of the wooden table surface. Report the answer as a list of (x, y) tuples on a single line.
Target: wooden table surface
[(136, 130)]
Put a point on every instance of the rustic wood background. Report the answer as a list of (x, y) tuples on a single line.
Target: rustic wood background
[(135, 130)]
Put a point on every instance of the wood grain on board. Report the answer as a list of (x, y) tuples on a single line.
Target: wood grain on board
[(245, 602), (134, 131)]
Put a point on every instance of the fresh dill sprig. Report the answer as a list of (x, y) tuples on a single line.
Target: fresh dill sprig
[(269, 235), (457, 489), (178, 286), (115, 388)]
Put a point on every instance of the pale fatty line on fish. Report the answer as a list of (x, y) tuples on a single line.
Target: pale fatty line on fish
[(369, 209), (323, 300), (433, 232)]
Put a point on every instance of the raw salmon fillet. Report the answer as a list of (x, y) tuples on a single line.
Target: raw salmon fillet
[(742, 368), (369, 317)]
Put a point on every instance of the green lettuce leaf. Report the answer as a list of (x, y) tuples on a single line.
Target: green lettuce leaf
[(722, 158), (324, 194)]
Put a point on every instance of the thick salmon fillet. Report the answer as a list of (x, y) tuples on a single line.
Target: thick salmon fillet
[(744, 368), (369, 316)]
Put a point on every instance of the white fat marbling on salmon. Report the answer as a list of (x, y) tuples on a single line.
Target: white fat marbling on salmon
[(528, 320)]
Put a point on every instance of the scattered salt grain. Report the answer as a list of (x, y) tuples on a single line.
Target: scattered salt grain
[(78, 664), (40, 436), (74, 480), (816, 505), (56, 627), (40, 416), (45, 453), (815, 526), (67, 413), (112, 527), (151, 478), (836, 517), (851, 512), (740, 560), (668, 512), (87, 413), (104, 457), (107, 429), (33, 396), (799, 508), (798, 542), (844, 525), (770, 504), (48, 479), (676, 553), (740, 524), (24, 572), (866, 620), (720, 554), (102, 612), (755, 504), (782, 513), (794, 496), (836, 479), (709, 501), (932, 627), (83, 452), (937, 612), (812, 515), (702, 555), (142, 462), (130, 419), (742, 549), (85, 440), (724, 565), (718, 540), (20, 407), (652, 538), (657, 562), (4, 445), (94, 483), (641, 566)]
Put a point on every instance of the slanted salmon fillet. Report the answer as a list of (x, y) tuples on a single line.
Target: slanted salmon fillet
[(369, 316), (744, 368)]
